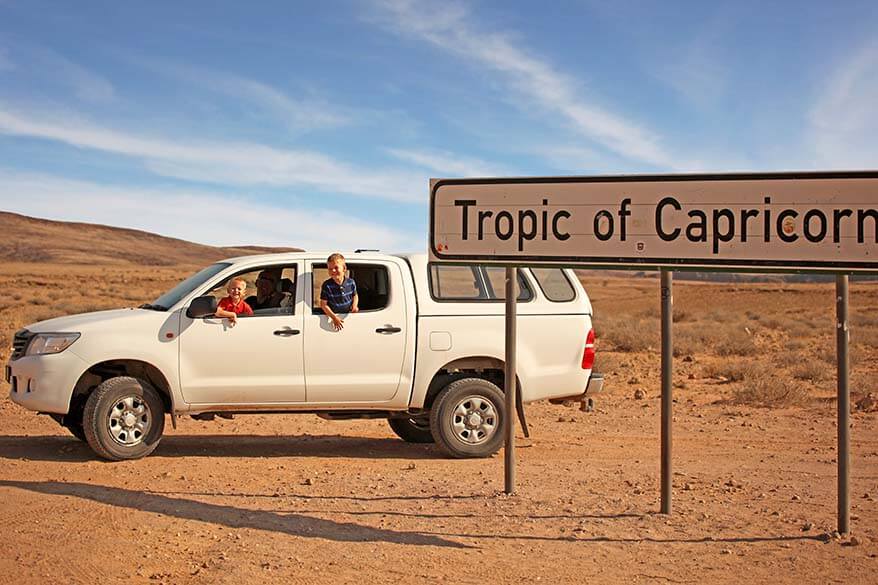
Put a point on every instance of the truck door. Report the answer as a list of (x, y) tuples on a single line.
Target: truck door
[(258, 361), (363, 362)]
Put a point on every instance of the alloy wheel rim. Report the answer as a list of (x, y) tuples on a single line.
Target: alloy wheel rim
[(129, 420), (474, 420)]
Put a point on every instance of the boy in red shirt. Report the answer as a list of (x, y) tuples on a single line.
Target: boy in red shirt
[(233, 305)]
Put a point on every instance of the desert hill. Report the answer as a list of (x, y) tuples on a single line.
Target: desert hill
[(30, 239)]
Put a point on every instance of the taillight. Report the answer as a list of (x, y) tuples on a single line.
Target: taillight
[(588, 353)]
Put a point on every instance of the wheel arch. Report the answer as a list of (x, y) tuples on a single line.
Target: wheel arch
[(488, 368), (99, 372)]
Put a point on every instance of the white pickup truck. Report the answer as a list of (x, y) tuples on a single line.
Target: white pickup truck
[(425, 351)]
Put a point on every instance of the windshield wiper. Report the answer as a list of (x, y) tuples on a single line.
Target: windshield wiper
[(152, 307)]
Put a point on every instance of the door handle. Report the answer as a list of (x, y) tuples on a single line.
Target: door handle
[(287, 332), (388, 330)]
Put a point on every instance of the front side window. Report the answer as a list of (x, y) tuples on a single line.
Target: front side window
[(271, 290)]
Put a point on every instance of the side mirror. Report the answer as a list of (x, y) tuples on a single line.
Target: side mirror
[(202, 307)]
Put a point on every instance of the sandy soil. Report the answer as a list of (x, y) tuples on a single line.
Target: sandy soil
[(295, 499)]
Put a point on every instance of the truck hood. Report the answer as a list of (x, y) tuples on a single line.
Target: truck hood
[(94, 321)]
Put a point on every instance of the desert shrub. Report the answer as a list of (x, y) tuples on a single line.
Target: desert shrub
[(788, 358), (799, 329), (722, 316), (855, 353), (651, 312), (732, 341), (766, 388), (16, 296), (37, 301), (794, 345), (732, 370), (681, 315), (809, 370), (690, 338), (774, 323), (864, 320), (608, 363), (628, 334), (684, 347), (863, 383), (868, 337)]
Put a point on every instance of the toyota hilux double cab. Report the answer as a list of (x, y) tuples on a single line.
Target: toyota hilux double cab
[(425, 351)]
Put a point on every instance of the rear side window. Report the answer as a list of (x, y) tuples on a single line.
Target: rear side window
[(554, 284), (473, 283), (373, 285)]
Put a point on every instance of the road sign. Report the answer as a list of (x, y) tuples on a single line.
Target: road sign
[(826, 221)]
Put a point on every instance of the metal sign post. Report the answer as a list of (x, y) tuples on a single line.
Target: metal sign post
[(844, 404), (510, 379), (667, 388)]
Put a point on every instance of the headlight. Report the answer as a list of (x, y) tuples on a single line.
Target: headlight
[(46, 343)]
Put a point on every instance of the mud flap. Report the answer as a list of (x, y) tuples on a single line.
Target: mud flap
[(519, 406)]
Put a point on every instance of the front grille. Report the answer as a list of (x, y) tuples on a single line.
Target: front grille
[(19, 343)]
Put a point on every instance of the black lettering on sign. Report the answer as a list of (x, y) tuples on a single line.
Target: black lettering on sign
[(603, 217), (659, 229), (466, 204), (525, 224)]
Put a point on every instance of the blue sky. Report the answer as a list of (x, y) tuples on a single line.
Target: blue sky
[(320, 124)]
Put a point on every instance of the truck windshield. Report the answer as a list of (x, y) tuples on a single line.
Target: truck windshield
[(173, 296)]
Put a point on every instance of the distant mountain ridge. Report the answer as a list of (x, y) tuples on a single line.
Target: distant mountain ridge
[(31, 239)]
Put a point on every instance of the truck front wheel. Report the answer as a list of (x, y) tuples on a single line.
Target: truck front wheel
[(467, 418), (123, 419)]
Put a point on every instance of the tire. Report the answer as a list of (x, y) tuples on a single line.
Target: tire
[(467, 418), (412, 430), (123, 419)]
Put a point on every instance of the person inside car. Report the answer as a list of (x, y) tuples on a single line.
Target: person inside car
[(267, 294), (231, 306)]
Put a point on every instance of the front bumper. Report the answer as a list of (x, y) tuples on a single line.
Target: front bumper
[(44, 383)]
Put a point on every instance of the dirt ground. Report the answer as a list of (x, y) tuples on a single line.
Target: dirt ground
[(295, 499)]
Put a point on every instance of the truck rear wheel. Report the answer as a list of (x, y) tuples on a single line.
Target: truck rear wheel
[(123, 419), (412, 430), (467, 418)]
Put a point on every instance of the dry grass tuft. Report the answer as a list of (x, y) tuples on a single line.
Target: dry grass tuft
[(629, 334), (608, 363), (734, 341), (733, 371), (766, 388), (865, 336), (810, 370)]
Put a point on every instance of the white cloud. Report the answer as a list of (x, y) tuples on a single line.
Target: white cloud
[(194, 215), (447, 25), (222, 163), (87, 85), (695, 73), (844, 121), (447, 164), (295, 114)]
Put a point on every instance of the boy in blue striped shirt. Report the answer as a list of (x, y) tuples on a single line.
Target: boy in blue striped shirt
[(338, 294)]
